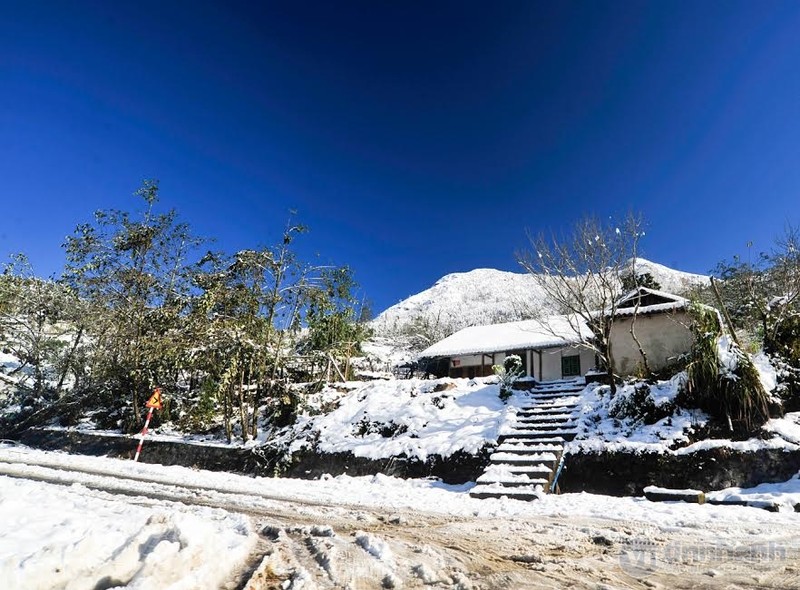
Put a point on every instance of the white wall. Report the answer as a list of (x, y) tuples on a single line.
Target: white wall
[(472, 360), (664, 336), (551, 361)]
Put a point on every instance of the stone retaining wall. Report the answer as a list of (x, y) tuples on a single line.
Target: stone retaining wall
[(456, 469), (616, 473), (622, 473)]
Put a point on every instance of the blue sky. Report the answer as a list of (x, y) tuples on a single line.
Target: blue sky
[(415, 139)]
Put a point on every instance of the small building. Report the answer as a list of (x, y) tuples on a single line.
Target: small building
[(549, 348), (661, 323), (556, 347)]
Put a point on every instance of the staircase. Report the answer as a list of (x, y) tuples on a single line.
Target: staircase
[(528, 458)]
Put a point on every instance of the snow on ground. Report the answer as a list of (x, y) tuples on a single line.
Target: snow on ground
[(61, 537), (787, 428), (78, 537), (408, 417), (785, 494), (386, 492), (612, 424), (766, 372), (419, 418)]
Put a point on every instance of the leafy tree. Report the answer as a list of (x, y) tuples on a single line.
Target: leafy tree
[(133, 273), (762, 297), (31, 312), (332, 316), (246, 314)]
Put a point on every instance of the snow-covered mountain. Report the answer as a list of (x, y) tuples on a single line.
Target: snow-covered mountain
[(485, 296)]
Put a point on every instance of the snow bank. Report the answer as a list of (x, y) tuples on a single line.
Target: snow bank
[(607, 427), (766, 372), (610, 424), (383, 419), (788, 427), (786, 495), (30, 512), (56, 537)]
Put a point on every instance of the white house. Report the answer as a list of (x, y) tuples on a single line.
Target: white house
[(549, 348)]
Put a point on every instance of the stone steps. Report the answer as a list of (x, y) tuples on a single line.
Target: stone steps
[(546, 423), (512, 468), (558, 406), (527, 447), (547, 412), (544, 417), (533, 458), (486, 491), (532, 437), (527, 457)]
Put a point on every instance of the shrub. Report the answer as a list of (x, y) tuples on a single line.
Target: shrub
[(640, 407), (722, 379), (508, 372)]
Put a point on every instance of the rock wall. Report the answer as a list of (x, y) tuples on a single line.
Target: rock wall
[(612, 473), (263, 461), (455, 469), (200, 456), (628, 473)]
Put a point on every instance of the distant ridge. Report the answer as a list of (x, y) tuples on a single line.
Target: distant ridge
[(487, 296)]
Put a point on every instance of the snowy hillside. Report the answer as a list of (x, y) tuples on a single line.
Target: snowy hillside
[(671, 280), (485, 296), (480, 296)]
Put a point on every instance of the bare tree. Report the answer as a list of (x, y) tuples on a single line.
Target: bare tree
[(581, 274)]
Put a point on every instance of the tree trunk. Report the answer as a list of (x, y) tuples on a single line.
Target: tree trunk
[(724, 312), (643, 354), (227, 406), (242, 408), (68, 360), (610, 361)]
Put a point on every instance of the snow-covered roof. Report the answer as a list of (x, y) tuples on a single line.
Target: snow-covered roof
[(545, 333), (660, 301)]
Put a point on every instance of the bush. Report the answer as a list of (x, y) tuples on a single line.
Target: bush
[(722, 379), (640, 407), (508, 372)]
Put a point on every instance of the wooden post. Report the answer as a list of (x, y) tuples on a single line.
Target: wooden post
[(141, 435)]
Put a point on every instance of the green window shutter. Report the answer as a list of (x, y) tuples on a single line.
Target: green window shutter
[(571, 366)]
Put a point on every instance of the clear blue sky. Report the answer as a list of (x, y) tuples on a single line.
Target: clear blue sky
[(415, 139)]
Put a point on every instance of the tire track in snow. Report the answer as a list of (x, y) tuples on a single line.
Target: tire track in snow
[(434, 550)]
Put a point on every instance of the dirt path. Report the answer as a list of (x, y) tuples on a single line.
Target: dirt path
[(314, 545)]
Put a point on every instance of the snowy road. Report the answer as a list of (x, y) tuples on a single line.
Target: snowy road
[(87, 522)]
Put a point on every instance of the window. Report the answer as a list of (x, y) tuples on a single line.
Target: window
[(571, 366)]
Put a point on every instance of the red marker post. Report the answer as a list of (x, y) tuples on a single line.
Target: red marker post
[(154, 403)]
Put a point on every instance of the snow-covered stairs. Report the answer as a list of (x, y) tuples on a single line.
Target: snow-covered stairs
[(527, 458)]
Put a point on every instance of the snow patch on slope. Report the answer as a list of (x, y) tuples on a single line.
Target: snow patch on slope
[(383, 419), (478, 297)]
